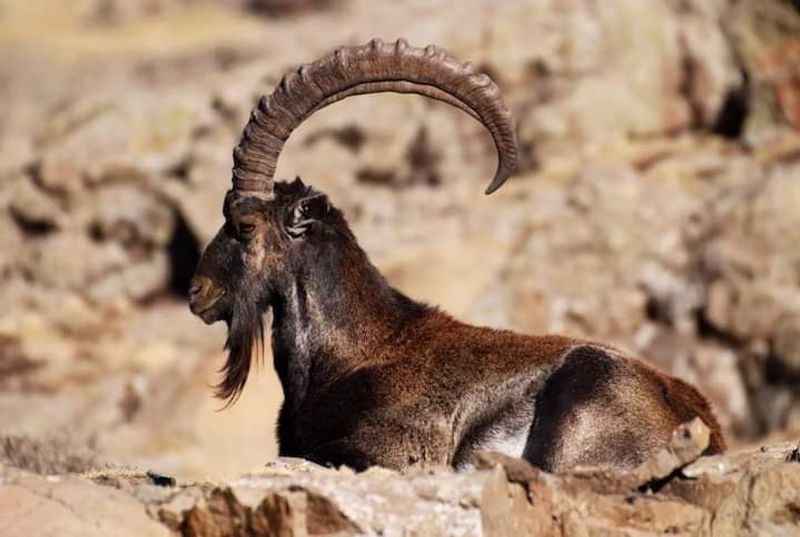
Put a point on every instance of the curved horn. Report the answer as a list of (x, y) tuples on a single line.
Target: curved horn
[(372, 68)]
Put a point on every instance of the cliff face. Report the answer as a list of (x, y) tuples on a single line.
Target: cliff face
[(655, 206), (674, 493)]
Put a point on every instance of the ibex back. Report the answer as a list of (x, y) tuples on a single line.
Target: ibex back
[(372, 377)]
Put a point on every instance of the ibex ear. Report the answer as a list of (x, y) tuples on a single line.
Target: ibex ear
[(305, 211)]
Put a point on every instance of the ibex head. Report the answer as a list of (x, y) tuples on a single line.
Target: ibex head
[(269, 226)]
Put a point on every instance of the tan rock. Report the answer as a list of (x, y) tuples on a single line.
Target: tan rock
[(32, 506), (749, 493)]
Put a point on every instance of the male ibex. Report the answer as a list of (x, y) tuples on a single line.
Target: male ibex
[(372, 377)]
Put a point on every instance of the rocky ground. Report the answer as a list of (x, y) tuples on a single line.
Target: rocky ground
[(655, 206), (674, 493)]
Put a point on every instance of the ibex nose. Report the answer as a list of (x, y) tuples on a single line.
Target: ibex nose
[(195, 287), (198, 288), (203, 295)]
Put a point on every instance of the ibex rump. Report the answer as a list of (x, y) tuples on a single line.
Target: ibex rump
[(372, 377)]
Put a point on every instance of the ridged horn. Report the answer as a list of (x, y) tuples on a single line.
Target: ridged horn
[(372, 68)]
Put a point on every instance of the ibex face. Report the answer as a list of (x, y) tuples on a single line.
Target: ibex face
[(249, 253), (234, 268), (248, 259)]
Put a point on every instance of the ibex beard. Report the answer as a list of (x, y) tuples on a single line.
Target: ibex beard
[(232, 284), (372, 377)]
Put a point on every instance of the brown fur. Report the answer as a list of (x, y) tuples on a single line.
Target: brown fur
[(373, 378)]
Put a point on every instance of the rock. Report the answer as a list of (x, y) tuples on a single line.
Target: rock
[(765, 35), (787, 344), (322, 502), (130, 215), (69, 506), (137, 281), (699, 497), (35, 211), (508, 510), (727, 485), (546, 506), (15, 155), (774, 498), (710, 71), (278, 8), (717, 499), (100, 140), (685, 69), (71, 262), (290, 514), (717, 370)]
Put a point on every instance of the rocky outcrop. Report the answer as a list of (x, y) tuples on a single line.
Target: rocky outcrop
[(69, 506), (674, 493)]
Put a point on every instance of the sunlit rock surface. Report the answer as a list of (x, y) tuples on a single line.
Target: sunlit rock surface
[(675, 493)]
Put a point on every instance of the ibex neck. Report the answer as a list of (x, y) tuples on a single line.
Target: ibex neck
[(333, 317)]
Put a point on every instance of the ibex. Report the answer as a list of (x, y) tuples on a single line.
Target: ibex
[(372, 377)]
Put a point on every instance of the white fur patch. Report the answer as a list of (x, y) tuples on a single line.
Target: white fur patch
[(511, 443)]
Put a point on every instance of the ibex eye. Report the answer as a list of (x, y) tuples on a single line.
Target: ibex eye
[(246, 229)]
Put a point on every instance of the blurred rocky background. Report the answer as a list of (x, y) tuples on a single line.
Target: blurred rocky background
[(657, 205)]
